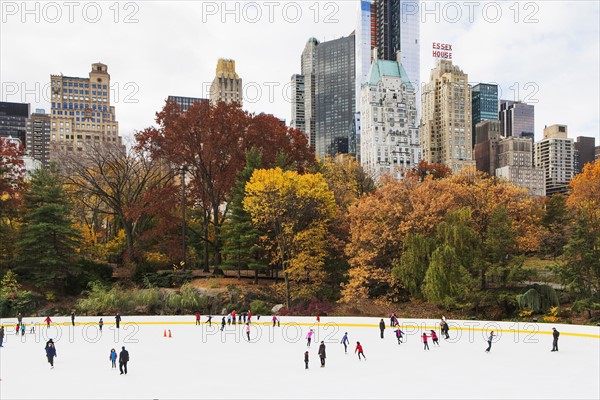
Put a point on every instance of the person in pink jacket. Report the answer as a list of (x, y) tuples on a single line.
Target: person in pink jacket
[(309, 337), (425, 344)]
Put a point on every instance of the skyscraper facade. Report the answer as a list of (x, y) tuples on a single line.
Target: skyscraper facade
[(307, 66), (390, 128), (298, 113), (334, 96), (81, 113), (486, 146), (555, 155), (584, 152), (517, 118), (515, 163), (446, 118), (227, 85), (484, 104), (38, 137), (185, 103), (13, 120)]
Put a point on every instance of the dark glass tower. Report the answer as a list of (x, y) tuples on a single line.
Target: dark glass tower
[(484, 105)]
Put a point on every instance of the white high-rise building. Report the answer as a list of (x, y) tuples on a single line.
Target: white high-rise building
[(555, 154), (390, 127)]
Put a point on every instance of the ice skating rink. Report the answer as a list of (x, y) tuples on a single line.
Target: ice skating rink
[(200, 362)]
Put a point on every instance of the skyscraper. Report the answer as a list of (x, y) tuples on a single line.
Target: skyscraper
[(334, 96), (484, 104), (515, 163), (584, 152), (186, 102), (555, 154), (390, 128), (227, 85), (38, 137), (13, 118), (307, 66), (390, 26), (485, 151), (82, 114), (298, 113), (446, 117), (517, 119)]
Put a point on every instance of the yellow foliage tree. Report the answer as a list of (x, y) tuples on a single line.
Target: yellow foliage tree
[(294, 207)]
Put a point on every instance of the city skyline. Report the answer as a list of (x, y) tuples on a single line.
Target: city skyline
[(148, 64)]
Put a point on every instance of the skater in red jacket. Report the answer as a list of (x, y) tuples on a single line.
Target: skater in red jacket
[(425, 344), (434, 337), (359, 350)]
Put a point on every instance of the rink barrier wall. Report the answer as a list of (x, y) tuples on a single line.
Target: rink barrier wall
[(315, 324)]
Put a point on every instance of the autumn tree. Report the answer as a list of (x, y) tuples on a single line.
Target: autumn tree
[(128, 185), (211, 141), (46, 249), (12, 184), (297, 209)]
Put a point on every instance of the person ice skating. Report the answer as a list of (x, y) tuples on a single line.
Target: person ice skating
[(249, 316), (318, 319), (197, 318), (382, 327), (309, 337), (100, 324), (248, 330), (123, 360), (229, 319), (399, 334), (117, 320), (345, 342), (32, 329), (113, 358), (244, 316), (233, 314), (322, 353), (73, 318), (306, 359), (490, 339), (209, 320), (274, 320), (22, 329), (19, 318), (17, 329), (50, 352), (434, 337), (555, 335), (240, 319), (223, 323), (393, 320), (425, 344), (48, 321), (359, 350), (1, 335), (444, 328)]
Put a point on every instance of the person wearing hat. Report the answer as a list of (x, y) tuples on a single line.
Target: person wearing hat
[(50, 352), (123, 360), (555, 335), (322, 353)]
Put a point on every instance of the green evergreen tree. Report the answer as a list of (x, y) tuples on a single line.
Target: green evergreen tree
[(241, 238), (556, 221), (47, 243), (412, 266)]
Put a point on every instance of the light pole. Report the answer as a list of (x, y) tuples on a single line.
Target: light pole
[(183, 169)]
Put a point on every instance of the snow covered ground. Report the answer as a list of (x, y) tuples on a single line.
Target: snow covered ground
[(202, 362)]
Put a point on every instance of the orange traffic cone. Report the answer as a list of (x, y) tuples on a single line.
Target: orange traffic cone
[(165, 333), (170, 333)]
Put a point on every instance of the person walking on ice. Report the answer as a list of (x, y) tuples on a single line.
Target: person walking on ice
[(434, 337), (306, 359), (113, 358), (309, 337), (399, 334), (322, 353), (123, 360), (248, 330), (359, 350), (425, 344), (345, 342), (555, 335), (490, 339), (382, 327), (50, 353)]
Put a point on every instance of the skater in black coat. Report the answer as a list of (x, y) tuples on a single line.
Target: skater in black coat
[(555, 335), (381, 327), (490, 339), (50, 352), (118, 320), (322, 354), (222, 323), (123, 360), (306, 359)]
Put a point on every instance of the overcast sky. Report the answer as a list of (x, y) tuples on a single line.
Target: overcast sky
[(542, 52)]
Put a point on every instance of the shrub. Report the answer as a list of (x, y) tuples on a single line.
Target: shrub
[(258, 307)]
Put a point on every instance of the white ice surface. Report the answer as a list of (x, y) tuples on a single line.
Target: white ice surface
[(199, 362)]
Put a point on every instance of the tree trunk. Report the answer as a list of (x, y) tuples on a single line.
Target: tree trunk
[(217, 242), (287, 290), (206, 248)]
